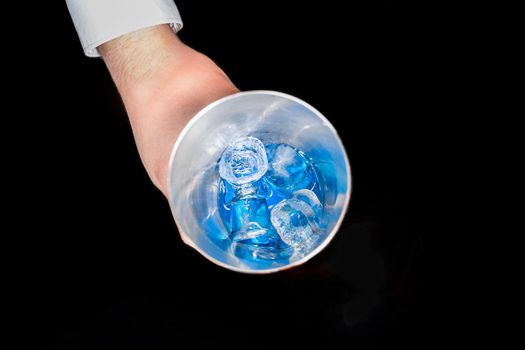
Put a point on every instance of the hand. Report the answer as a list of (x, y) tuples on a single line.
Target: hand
[(163, 84)]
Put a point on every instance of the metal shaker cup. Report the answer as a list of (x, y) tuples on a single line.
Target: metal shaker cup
[(272, 117)]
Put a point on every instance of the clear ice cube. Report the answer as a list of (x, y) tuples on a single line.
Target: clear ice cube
[(243, 161), (297, 219), (277, 250), (288, 170), (250, 221)]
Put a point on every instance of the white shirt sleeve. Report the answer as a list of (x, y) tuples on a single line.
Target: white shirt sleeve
[(99, 21)]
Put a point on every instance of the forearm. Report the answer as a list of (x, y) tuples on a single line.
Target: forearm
[(163, 84)]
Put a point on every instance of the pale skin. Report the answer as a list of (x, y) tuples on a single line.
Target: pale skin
[(163, 84)]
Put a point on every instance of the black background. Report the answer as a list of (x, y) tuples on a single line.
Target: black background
[(108, 269)]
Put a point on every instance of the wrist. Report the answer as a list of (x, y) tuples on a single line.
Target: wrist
[(138, 60), (163, 84)]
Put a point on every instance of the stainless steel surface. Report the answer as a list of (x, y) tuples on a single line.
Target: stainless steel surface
[(272, 117)]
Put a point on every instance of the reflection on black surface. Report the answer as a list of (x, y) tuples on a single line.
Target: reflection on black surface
[(365, 283)]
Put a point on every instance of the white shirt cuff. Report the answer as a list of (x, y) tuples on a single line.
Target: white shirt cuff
[(99, 21)]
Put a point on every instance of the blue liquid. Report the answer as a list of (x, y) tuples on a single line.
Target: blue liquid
[(245, 209)]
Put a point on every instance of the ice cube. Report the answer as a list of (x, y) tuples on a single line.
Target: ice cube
[(297, 219), (243, 161), (311, 199), (277, 250), (288, 170), (250, 221)]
